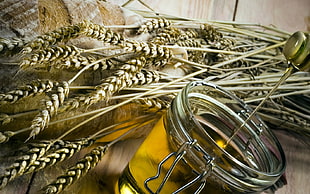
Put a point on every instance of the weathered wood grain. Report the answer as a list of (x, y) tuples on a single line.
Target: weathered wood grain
[(288, 15), (298, 164)]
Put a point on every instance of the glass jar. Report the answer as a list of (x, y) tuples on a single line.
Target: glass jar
[(191, 150)]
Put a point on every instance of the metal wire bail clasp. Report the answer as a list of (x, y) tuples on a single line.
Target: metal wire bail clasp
[(178, 156)]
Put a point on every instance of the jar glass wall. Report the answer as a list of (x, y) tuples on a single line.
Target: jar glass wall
[(199, 145)]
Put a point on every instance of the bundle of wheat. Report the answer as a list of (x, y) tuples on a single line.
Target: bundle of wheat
[(61, 96)]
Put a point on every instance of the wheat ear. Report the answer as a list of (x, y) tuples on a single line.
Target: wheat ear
[(167, 35), (150, 50), (51, 38), (20, 165), (152, 104), (120, 79), (50, 54), (36, 158), (34, 88), (41, 121), (101, 33), (79, 62), (216, 38), (75, 172), (152, 25), (63, 151)]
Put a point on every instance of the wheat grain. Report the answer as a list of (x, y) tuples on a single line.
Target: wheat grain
[(5, 119), (5, 136), (77, 171), (11, 46)]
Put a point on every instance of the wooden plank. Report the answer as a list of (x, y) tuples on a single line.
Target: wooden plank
[(200, 9), (288, 15), (285, 14), (298, 165), (222, 10), (182, 8)]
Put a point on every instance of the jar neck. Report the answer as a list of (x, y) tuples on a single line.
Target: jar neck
[(208, 115)]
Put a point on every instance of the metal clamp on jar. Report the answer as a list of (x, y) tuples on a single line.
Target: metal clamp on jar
[(195, 148)]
